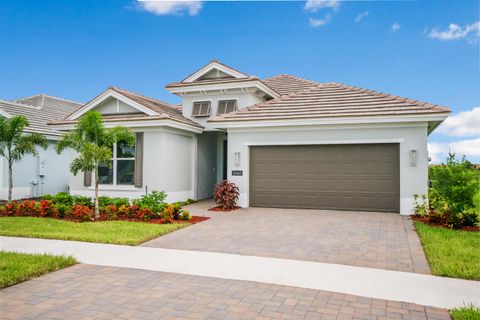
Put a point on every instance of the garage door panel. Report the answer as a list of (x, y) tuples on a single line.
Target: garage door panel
[(337, 177)]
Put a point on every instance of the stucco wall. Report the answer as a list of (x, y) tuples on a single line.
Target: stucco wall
[(168, 166), (243, 100), (112, 105), (26, 171), (413, 179)]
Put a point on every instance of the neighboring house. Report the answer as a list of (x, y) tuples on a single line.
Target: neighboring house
[(48, 172), (285, 141)]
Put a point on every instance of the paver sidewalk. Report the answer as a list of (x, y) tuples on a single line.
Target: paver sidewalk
[(367, 282)]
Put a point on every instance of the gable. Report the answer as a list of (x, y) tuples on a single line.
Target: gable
[(215, 74), (113, 105), (215, 70)]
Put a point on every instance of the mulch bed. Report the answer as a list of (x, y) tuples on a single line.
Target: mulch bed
[(444, 225), (104, 217), (220, 209)]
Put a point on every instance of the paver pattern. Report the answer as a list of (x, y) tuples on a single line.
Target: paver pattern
[(365, 239), (94, 292)]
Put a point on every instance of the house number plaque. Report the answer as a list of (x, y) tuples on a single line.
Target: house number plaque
[(237, 172)]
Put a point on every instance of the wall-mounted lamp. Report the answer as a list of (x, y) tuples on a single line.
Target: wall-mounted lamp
[(236, 157), (413, 157)]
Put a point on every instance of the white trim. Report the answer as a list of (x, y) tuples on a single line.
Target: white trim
[(215, 65), (115, 187), (326, 121), (107, 94), (224, 86), (139, 124), (321, 142)]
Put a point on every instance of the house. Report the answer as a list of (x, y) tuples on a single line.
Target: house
[(285, 141), (48, 172)]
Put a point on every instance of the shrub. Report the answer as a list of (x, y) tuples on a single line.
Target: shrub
[(60, 198), (82, 201), (104, 201), (47, 209), (185, 215), (82, 213), (155, 201), (470, 218), (62, 209), (226, 194), (27, 208), (420, 207), (456, 182), (172, 211)]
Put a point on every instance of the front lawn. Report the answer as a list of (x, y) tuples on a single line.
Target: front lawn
[(18, 267), (465, 313), (114, 232), (451, 253)]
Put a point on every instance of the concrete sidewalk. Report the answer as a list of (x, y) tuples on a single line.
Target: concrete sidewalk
[(367, 282)]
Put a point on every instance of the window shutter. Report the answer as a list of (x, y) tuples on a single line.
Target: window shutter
[(87, 178), (138, 178)]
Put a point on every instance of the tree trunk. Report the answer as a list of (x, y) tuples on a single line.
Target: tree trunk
[(10, 182), (97, 210)]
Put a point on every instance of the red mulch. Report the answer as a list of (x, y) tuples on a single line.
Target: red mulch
[(444, 225), (218, 208), (103, 217)]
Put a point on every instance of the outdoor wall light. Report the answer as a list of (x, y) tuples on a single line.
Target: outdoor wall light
[(236, 157), (413, 157)]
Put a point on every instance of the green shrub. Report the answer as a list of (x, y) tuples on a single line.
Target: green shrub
[(456, 182), (185, 215), (470, 218), (155, 201), (82, 201), (104, 201), (420, 207), (60, 198), (62, 209)]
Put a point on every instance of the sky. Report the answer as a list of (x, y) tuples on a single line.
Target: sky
[(425, 50)]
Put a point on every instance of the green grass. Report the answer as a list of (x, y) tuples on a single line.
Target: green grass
[(114, 232), (466, 313), (451, 253), (18, 267)]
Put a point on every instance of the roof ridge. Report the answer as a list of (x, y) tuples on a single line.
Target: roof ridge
[(48, 96), (391, 96), (20, 104)]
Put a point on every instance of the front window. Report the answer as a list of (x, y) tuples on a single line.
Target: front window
[(122, 167)]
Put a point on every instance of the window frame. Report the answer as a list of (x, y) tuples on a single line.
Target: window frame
[(114, 160), (209, 108), (235, 107)]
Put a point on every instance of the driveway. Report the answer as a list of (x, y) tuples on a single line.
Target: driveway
[(365, 239), (94, 292)]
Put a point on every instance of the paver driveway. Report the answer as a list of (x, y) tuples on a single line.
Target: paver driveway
[(366, 239), (93, 292)]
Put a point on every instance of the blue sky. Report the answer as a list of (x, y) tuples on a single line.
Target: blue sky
[(75, 49)]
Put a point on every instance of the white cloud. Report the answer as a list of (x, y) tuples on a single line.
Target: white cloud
[(455, 32), (438, 151), (320, 22), (166, 7), (315, 5), (395, 27), (464, 124), (361, 16)]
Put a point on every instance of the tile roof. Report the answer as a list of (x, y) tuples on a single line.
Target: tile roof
[(327, 100), (285, 83), (40, 109), (165, 110)]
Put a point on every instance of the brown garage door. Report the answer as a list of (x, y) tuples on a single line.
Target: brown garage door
[(362, 177)]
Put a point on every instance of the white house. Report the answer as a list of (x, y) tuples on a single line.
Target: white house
[(48, 172), (285, 141)]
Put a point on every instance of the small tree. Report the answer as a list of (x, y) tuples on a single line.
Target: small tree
[(15, 144), (93, 144)]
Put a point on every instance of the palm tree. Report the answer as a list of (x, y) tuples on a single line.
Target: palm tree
[(15, 143), (93, 144)]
